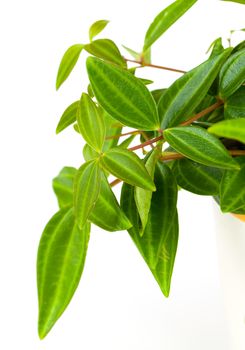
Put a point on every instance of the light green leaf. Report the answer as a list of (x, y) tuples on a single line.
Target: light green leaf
[(134, 54), (107, 213), (128, 167), (96, 28), (86, 190), (157, 94), (232, 129), (234, 106), (127, 142), (159, 243), (232, 188), (68, 117), (113, 128), (63, 186), (90, 122), (107, 50), (238, 1), (186, 93), (89, 153), (165, 19), (216, 47), (122, 95), (198, 145), (232, 74), (197, 178), (60, 261), (67, 63)]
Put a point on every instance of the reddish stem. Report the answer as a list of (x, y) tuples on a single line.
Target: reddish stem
[(147, 143), (155, 66)]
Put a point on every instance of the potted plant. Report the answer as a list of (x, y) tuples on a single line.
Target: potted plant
[(191, 135)]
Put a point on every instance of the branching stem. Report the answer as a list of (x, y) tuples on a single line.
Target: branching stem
[(142, 64)]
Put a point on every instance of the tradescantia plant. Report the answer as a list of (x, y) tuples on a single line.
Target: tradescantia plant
[(192, 135)]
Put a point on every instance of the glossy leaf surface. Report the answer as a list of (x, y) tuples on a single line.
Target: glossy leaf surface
[(63, 186), (61, 257), (232, 129), (235, 105), (68, 117), (132, 104), (90, 122), (97, 28), (128, 167), (198, 145), (165, 19), (186, 93), (67, 63)]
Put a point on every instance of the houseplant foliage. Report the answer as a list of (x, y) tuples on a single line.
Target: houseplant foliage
[(191, 134)]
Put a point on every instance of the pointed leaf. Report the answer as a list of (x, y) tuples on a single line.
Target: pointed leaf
[(128, 167), (232, 189), (113, 128), (63, 186), (186, 93), (165, 19), (216, 47), (90, 122), (232, 74), (60, 261), (86, 190), (198, 145), (96, 28), (107, 50), (132, 104), (89, 153), (134, 54), (68, 117), (232, 129), (127, 142), (107, 213), (67, 63), (235, 105), (238, 1)]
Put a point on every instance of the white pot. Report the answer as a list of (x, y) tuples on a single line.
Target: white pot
[(231, 255)]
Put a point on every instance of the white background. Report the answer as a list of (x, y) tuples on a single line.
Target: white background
[(118, 305)]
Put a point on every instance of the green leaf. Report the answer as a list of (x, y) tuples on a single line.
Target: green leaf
[(90, 122), (165, 19), (60, 261), (63, 186), (89, 153), (113, 128), (216, 47), (107, 50), (186, 93), (68, 117), (232, 129), (238, 1), (157, 94), (107, 213), (134, 54), (128, 167), (96, 28), (127, 142), (142, 196), (86, 190), (122, 95), (239, 46), (232, 74), (197, 178), (67, 63), (232, 188), (159, 243), (198, 145), (234, 106)]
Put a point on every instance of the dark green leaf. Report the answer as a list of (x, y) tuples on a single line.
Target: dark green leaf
[(232, 74), (86, 190), (68, 117), (198, 145), (157, 94), (63, 186), (216, 47), (232, 188), (61, 257), (186, 93), (165, 19), (91, 123), (67, 63), (122, 95), (231, 128), (96, 28), (107, 50), (239, 47), (128, 167), (235, 105)]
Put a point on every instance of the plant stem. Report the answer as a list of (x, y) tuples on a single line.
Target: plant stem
[(155, 66), (125, 134), (202, 113), (147, 143), (115, 182), (237, 152)]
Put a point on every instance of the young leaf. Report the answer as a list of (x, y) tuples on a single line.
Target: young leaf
[(113, 128), (107, 50), (68, 117), (231, 129), (198, 145), (122, 95), (63, 186), (107, 213), (232, 74), (60, 261), (127, 142), (67, 63), (134, 54), (234, 106), (89, 153), (165, 19), (197, 178), (128, 167), (186, 93), (86, 190), (96, 28), (216, 47), (232, 188), (90, 122)]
